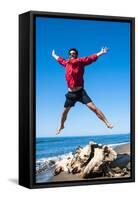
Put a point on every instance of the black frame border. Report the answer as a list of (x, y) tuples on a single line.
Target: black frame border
[(31, 139)]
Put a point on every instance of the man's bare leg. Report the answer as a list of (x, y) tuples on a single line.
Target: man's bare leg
[(63, 119), (99, 113)]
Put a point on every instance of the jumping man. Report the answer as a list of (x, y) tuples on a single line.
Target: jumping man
[(74, 67)]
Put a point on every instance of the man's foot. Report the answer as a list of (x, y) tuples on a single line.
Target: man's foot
[(59, 129), (109, 125)]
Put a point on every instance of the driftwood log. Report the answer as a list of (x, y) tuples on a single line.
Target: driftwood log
[(93, 160)]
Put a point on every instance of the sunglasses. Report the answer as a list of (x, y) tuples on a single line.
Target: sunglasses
[(72, 53)]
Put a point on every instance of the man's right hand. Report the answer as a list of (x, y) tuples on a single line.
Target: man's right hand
[(54, 54)]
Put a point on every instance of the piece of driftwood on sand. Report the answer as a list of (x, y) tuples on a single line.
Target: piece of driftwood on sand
[(95, 160)]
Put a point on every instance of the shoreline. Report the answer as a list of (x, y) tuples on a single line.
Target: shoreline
[(123, 148), (123, 152)]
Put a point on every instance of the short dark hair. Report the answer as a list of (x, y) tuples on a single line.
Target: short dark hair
[(73, 49)]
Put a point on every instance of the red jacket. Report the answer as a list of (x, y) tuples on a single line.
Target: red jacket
[(75, 69)]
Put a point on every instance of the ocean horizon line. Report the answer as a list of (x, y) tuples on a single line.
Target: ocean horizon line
[(67, 136)]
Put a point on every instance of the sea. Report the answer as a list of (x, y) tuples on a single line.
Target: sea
[(49, 150)]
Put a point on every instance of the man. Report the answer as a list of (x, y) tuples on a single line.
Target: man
[(74, 67)]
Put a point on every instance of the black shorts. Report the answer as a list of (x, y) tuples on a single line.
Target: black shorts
[(73, 97)]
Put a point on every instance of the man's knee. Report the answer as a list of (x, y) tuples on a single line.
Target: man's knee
[(66, 110), (92, 107)]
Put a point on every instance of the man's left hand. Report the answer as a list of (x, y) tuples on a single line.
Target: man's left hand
[(104, 50)]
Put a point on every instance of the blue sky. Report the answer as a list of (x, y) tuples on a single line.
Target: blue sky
[(107, 81)]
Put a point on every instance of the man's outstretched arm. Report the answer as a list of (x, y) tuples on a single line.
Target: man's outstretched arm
[(92, 58), (102, 52), (61, 60)]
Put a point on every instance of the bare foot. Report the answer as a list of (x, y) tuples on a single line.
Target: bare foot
[(59, 129), (109, 125)]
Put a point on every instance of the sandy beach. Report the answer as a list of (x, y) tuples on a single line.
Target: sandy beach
[(123, 158), (124, 148)]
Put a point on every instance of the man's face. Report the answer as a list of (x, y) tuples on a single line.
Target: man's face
[(72, 54)]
